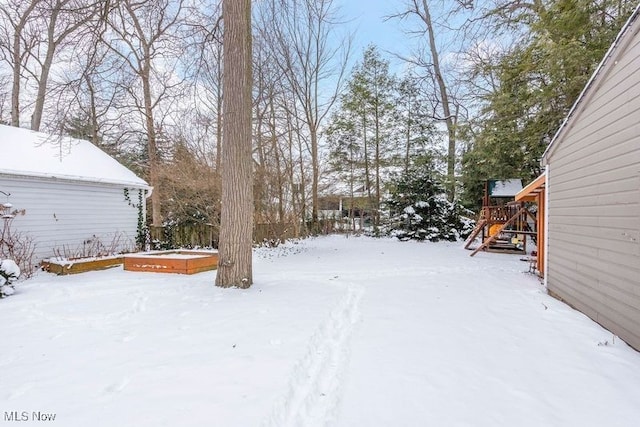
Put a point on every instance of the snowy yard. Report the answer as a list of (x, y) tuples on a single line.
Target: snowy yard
[(335, 331)]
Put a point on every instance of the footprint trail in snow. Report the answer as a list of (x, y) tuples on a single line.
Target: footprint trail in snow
[(313, 393)]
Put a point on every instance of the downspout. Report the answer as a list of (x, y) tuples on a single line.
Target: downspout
[(546, 226)]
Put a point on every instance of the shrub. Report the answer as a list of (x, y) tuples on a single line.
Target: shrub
[(9, 272), (420, 209)]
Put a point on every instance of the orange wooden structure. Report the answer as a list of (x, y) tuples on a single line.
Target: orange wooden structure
[(535, 192), (503, 225), (177, 261)]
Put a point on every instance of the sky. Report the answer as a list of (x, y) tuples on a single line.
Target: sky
[(365, 18)]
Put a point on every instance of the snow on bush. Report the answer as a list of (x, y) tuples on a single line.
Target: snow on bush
[(9, 272), (420, 210)]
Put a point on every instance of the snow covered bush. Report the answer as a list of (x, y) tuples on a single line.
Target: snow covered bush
[(9, 272), (420, 209)]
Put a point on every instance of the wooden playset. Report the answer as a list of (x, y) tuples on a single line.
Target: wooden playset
[(504, 224)]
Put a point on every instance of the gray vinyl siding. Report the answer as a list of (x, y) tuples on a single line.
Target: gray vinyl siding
[(594, 201), (61, 215)]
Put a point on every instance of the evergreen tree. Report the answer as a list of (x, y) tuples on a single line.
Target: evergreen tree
[(420, 209), (414, 124), (380, 124), (537, 82)]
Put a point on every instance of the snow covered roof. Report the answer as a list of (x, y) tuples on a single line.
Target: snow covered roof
[(505, 188), (27, 153)]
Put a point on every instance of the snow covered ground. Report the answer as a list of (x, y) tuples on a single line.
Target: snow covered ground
[(335, 331)]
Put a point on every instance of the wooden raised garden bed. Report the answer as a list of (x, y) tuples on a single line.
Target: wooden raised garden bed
[(175, 261), (74, 266)]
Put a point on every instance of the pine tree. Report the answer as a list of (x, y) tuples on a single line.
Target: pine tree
[(361, 132), (420, 209), (536, 83)]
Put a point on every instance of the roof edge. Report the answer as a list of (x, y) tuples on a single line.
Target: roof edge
[(532, 186), (8, 172)]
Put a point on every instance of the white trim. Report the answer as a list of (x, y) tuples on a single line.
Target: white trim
[(8, 173), (545, 244)]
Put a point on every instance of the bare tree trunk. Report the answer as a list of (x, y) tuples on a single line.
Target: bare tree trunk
[(276, 154), (236, 220), (63, 29), (314, 180), (444, 97), (152, 145), (302, 30), (36, 118), (376, 217), (352, 219), (408, 137), (15, 89), (93, 113), (17, 57), (295, 190), (260, 185), (143, 30), (367, 169), (303, 187)]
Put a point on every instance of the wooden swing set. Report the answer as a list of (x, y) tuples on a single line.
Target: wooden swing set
[(506, 220)]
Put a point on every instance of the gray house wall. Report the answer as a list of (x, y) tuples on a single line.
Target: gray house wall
[(63, 215), (593, 181)]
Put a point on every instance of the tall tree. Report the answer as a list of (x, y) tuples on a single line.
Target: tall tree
[(345, 153), (534, 84), (36, 35), (207, 79), (17, 40), (62, 19), (446, 107), (236, 219), (367, 107), (375, 87), (415, 127), (312, 66), (145, 37)]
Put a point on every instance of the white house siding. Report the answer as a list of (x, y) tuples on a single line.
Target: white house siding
[(62, 214), (594, 198)]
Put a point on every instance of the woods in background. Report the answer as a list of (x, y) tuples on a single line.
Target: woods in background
[(482, 94)]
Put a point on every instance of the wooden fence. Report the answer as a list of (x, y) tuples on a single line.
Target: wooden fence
[(206, 235)]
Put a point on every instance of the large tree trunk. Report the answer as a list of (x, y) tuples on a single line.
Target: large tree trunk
[(236, 219)]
